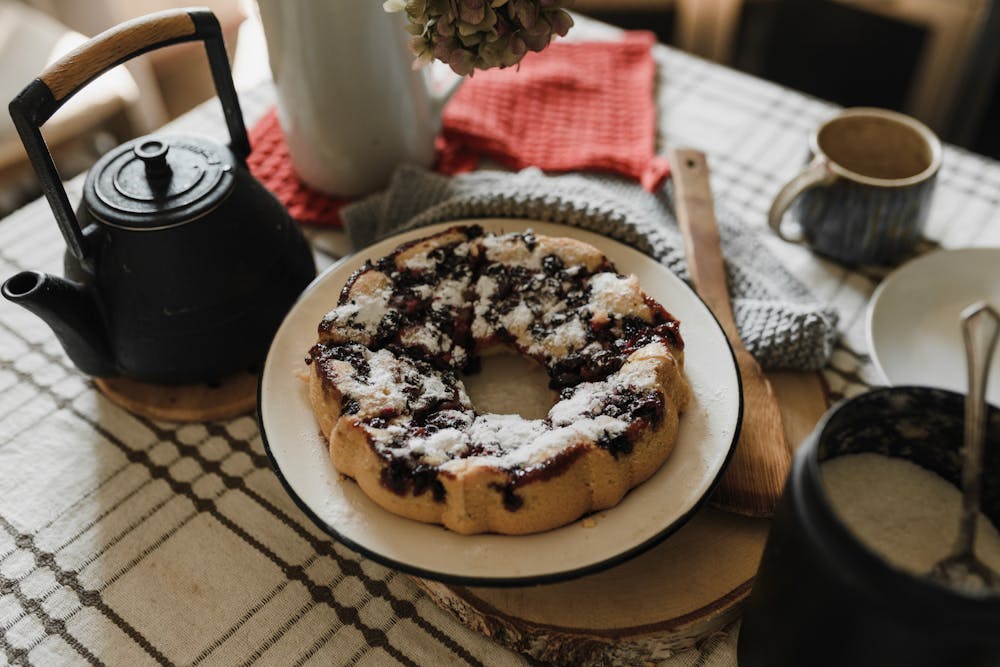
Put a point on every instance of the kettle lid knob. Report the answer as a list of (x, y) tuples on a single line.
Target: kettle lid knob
[(153, 154)]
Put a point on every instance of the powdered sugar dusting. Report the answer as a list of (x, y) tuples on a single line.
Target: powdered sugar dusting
[(379, 390), (421, 262), (511, 249), (566, 337), (518, 322), (439, 447), (612, 293), (426, 337), (450, 293), (506, 432), (361, 314), (423, 291), (485, 287), (641, 374)]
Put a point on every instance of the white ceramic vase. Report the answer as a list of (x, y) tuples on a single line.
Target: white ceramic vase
[(350, 103)]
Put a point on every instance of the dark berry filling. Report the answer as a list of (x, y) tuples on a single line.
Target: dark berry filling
[(511, 501), (403, 476)]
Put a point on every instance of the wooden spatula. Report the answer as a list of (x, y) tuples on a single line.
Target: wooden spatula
[(756, 474)]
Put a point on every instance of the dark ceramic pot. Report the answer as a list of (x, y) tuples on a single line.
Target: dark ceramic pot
[(823, 598)]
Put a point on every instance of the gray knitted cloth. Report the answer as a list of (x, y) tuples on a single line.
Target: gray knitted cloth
[(780, 322)]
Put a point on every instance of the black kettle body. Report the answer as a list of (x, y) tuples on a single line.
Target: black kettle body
[(179, 265)]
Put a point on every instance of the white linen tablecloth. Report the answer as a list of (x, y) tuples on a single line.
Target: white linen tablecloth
[(128, 541)]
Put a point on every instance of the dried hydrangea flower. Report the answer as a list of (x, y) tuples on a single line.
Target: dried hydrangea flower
[(480, 34)]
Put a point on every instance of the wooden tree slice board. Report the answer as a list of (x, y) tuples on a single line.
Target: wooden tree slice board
[(232, 396), (663, 601)]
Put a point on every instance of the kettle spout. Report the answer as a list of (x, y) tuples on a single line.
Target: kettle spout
[(71, 310)]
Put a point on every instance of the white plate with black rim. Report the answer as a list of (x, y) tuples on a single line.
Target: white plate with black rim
[(914, 318), (647, 515)]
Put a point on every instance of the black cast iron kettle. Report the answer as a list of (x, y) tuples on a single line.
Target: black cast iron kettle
[(179, 265)]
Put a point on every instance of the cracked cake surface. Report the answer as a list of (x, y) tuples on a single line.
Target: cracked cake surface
[(386, 388)]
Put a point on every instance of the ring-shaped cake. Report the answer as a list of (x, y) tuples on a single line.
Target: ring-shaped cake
[(386, 390)]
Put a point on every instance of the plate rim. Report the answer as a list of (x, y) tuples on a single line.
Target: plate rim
[(889, 281), (502, 581)]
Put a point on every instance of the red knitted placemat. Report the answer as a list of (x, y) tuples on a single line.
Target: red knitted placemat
[(575, 106)]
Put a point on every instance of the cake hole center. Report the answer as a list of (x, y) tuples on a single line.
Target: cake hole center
[(511, 384)]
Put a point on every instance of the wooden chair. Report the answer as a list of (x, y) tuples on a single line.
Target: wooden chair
[(709, 28)]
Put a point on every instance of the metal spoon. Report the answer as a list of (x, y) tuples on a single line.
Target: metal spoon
[(962, 570)]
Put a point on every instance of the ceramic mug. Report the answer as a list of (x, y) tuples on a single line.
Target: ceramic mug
[(350, 103), (865, 195), (823, 597)]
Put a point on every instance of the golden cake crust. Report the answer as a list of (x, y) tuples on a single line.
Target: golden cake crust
[(399, 423)]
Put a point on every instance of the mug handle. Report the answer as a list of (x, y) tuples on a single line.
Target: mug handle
[(816, 173)]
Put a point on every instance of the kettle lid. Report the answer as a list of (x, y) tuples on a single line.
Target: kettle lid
[(160, 181)]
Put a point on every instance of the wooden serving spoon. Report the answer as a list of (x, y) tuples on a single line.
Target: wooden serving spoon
[(753, 482)]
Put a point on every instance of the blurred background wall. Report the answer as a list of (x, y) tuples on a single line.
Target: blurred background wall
[(937, 60)]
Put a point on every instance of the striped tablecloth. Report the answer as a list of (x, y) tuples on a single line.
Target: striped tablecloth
[(126, 541)]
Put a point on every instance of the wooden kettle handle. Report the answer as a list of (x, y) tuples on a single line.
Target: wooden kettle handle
[(114, 46), (41, 98), (65, 77)]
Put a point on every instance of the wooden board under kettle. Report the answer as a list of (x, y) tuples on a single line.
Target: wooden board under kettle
[(193, 402), (664, 600)]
